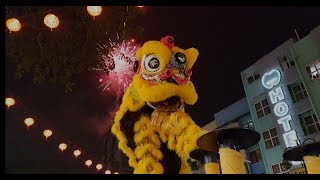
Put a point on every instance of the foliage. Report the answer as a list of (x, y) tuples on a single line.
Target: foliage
[(59, 55)]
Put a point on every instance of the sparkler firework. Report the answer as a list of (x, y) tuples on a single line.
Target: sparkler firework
[(118, 62)]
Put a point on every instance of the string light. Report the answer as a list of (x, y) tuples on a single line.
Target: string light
[(63, 146), (88, 163), (115, 173), (13, 24), (76, 153), (47, 133), (10, 102), (99, 166), (29, 122), (51, 21)]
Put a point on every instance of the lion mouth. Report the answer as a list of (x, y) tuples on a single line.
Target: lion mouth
[(173, 103)]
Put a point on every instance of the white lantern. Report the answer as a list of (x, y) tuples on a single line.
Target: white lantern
[(29, 122), (99, 166), (76, 153), (51, 21), (63, 146), (94, 10), (47, 133), (10, 102), (88, 163), (13, 24)]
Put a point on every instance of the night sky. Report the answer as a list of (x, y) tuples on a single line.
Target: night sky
[(229, 40)]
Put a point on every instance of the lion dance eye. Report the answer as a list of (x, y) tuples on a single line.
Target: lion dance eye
[(180, 58), (151, 63)]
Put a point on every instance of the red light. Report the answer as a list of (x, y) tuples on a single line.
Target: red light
[(100, 80)]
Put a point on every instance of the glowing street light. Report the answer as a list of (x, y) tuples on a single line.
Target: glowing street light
[(63, 146), (76, 153), (88, 163), (29, 122), (10, 102), (47, 133)]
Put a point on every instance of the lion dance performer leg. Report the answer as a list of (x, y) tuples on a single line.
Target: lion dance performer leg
[(152, 128)]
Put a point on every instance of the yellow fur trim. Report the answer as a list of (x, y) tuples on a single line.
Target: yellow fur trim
[(131, 99), (185, 168), (172, 142), (128, 103), (147, 149), (163, 136), (142, 124), (164, 90), (148, 165), (148, 144), (146, 136)]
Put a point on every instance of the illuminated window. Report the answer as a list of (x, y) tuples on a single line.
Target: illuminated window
[(313, 70), (298, 91), (309, 122), (253, 78), (286, 61), (271, 138), (262, 108), (277, 168), (248, 124), (255, 156)]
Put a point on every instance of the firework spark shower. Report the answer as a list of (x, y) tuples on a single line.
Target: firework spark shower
[(118, 61)]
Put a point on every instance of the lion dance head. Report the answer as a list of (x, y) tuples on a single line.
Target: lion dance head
[(151, 125)]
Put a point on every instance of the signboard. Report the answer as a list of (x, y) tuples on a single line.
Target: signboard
[(270, 80)]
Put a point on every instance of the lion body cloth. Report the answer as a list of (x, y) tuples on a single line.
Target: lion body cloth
[(151, 126)]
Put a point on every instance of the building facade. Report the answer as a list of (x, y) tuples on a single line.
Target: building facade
[(282, 103), (283, 94), (238, 115)]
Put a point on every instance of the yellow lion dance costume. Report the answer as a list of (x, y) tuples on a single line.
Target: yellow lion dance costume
[(152, 128)]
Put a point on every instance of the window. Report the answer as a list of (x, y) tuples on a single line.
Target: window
[(262, 108), (309, 122), (255, 156), (253, 78), (277, 168), (286, 61), (297, 91), (248, 124), (271, 138), (313, 70)]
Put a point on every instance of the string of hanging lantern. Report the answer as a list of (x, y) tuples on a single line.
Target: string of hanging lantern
[(64, 144), (50, 20)]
